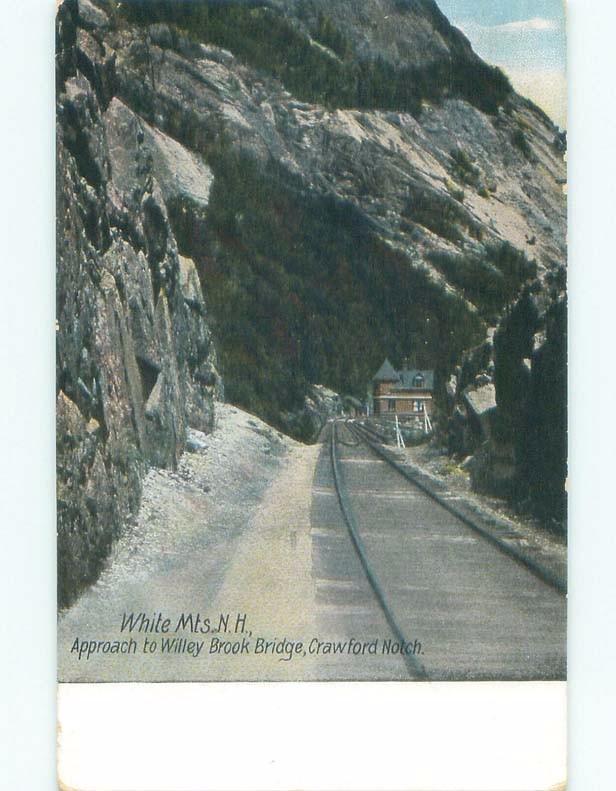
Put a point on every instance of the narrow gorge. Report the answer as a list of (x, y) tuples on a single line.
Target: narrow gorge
[(254, 198)]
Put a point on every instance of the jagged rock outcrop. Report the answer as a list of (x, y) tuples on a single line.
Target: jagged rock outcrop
[(508, 404), (135, 362), (320, 404)]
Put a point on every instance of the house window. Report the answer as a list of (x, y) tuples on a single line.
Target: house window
[(418, 406), (418, 381), (391, 405)]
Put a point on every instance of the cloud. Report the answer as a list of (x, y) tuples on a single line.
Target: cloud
[(523, 26), (535, 25)]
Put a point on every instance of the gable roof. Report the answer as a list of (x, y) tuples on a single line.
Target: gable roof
[(407, 377), (386, 373)]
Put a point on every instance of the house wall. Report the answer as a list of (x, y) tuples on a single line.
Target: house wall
[(403, 401), (383, 388)]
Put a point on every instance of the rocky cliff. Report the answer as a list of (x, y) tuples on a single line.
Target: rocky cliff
[(315, 183), (507, 405), (135, 363)]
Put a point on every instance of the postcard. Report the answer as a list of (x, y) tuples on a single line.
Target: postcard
[(311, 355)]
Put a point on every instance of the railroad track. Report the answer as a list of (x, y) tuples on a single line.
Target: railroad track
[(415, 667), (412, 576), (546, 575)]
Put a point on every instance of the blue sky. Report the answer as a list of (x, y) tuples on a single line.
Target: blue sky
[(526, 38)]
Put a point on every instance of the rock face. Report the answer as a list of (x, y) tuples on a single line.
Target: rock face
[(320, 405), (340, 182), (375, 184), (508, 405), (135, 363)]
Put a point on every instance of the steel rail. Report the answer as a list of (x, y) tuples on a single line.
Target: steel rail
[(539, 571), (414, 666)]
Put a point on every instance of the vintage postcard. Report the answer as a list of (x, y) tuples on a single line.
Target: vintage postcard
[(311, 342)]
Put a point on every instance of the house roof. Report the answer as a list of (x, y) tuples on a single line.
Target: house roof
[(404, 379), (407, 378), (386, 373)]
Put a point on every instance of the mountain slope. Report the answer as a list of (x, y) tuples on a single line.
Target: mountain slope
[(419, 207)]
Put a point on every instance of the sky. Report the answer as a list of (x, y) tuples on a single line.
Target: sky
[(526, 38)]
